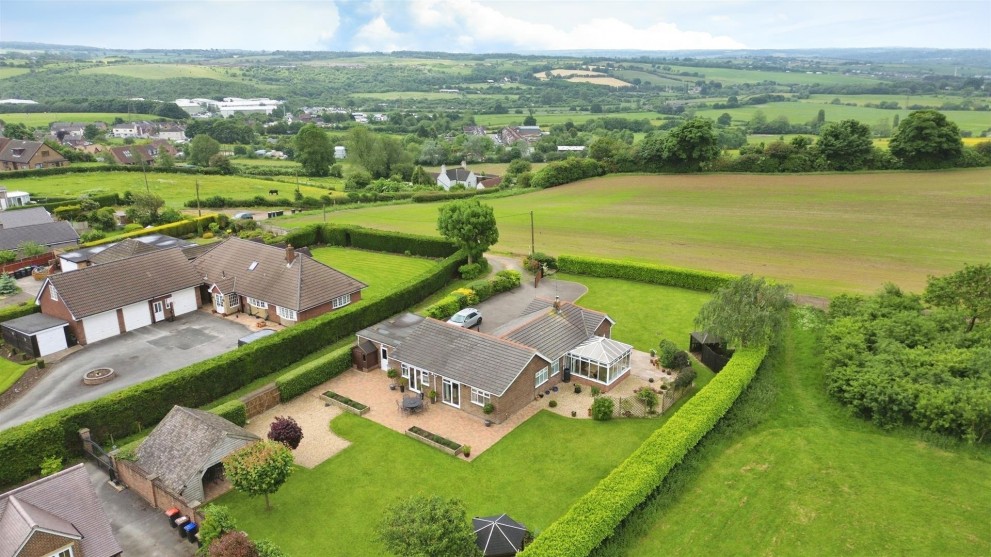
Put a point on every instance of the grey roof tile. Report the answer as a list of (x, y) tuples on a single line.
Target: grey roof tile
[(47, 234), (552, 332), (14, 218)]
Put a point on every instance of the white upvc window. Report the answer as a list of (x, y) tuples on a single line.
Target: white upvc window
[(286, 313), (541, 377), (341, 301), (555, 367), (256, 303), (52, 293), (480, 397), (67, 552), (232, 300)]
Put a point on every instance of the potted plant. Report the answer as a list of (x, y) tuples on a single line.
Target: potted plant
[(402, 384), (433, 396), (392, 374), (466, 449), (578, 389), (574, 414), (488, 408)]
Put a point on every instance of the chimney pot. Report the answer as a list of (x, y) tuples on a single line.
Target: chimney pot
[(290, 254), (557, 303)]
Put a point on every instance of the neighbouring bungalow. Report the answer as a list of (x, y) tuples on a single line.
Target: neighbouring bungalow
[(105, 253), (19, 154), (56, 516), (22, 217), (50, 235), (278, 284), (102, 301), (550, 342)]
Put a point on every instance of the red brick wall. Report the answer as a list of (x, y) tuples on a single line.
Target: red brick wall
[(57, 308), (518, 395), (43, 544), (605, 329), (43, 259), (152, 491), (261, 400)]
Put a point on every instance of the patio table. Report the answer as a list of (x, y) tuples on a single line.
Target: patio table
[(412, 403)]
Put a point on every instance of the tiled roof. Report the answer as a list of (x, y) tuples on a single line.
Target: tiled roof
[(47, 234), (100, 288), (393, 331), (19, 150), (24, 217), (304, 284), (469, 357), (552, 332), (187, 442), (63, 504), (159, 241), (121, 250)]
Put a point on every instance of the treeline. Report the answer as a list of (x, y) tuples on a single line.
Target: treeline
[(161, 109), (897, 361)]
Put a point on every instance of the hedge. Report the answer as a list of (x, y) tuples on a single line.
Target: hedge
[(482, 290), (177, 229), (20, 310), (305, 377), (595, 516), (55, 171), (690, 279), (51, 204), (370, 239), (432, 196), (233, 411), (134, 408), (566, 171)]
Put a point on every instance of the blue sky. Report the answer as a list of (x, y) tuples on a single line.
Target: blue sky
[(498, 25)]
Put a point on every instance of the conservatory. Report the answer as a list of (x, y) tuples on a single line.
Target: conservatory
[(600, 359)]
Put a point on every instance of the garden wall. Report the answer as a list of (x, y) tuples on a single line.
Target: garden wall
[(595, 516)]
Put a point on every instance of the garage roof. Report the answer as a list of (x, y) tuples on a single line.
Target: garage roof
[(34, 323)]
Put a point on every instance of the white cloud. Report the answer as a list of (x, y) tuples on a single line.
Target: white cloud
[(377, 35)]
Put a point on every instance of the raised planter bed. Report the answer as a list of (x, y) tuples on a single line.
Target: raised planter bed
[(436, 441), (345, 403), (98, 376)]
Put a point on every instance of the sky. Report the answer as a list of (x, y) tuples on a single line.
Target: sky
[(498, 25)]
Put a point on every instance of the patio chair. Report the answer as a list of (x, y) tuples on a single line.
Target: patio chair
[(402, 409)]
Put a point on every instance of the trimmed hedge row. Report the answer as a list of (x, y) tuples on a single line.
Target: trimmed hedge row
[(177, 229), (105, 200), (595, 516), (565, 172), (370, 239), (134, 408), (305, 377), (690, 279), (20, 310), (55, 171), (476, 292), (432, 196), (233, 411)]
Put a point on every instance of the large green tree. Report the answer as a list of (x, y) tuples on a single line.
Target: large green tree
[(260, 469), (968, 290), (145, 208), (845, 145), (926, 139), (747, 312), (428, 527), (201, 148), (469, 225), (314, 150), (691, 145)]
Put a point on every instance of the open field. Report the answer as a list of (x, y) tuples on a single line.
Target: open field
[(605, 80), (808, 479), (44, 119), (728, 76), (6, 72), (430, 95), (902, 100), (823, 233), (159, 71), (382, 272), (546, 119), (175, 189)]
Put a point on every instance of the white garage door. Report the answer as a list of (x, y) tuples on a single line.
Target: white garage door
[(51, 341), (101, 326), (136, 316), (184, 301)]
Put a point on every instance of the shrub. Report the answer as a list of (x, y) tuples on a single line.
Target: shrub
[(470, 271), (305, 377), (287, 431), (482, 289), (552, 404), (207, 235), (566, 171), (488, 408), (530, 262), (50, 465), (233, 544), (685, 378), (649, 399), (602, 408), (466, 296), (13, 312), (506, 280), (177, 229), (217, 521), (642, 272), (670, 356), (8, 285), (8, 256), (444, 308), (132, 227), (92, 236), (233, 411)]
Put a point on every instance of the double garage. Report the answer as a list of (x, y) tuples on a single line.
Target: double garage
[(141, 314)]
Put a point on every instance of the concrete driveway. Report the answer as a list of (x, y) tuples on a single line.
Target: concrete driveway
[(139, 528), (135, 356), (502, 308)]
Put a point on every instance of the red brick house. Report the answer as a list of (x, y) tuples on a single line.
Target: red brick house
[(56, 516)]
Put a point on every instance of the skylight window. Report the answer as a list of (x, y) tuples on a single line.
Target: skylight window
[(252, 266)]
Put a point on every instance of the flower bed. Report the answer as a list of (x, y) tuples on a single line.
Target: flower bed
[(436, 441), (345, 403)]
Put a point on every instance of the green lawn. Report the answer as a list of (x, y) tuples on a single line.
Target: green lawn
[(534, 474), (823, 233), (44, 119), (174, 188), (10, 373), (809, 479), (382, 272)]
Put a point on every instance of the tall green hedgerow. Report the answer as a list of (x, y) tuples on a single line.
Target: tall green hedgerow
[(689, 279)]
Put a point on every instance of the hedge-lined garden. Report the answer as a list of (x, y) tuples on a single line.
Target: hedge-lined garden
[(595, 516), (689, 279), (367, 238), (178, 229), (130, 410)]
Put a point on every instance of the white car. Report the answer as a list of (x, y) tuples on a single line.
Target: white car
[(467, 318)]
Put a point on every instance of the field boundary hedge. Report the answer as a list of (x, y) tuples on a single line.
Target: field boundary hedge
[(296, 382), (354, 236), (57, 170), (132, 409), (690, 279), (596, 515), (176, 229)]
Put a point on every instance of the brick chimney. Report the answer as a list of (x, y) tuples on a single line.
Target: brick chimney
[(557, 303), (290, 254)]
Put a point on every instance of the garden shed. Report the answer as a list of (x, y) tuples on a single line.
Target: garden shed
[(36, 335), (601, 359), (712, 350)]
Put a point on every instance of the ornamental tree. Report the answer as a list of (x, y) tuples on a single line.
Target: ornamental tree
[(747, 312), (233, 544), (428, 527), (260, 469), (470, 225), (285, 430)]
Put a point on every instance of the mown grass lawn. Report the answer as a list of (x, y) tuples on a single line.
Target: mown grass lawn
[(10, 373), (382, 272), (809, 479), (823, 233), (533, 474), (175, 189)]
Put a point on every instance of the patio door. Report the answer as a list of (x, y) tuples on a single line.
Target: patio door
[(414, 380), (385, 357), (452, 393)]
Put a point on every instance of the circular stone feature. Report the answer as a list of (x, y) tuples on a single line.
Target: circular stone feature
[(98, 375)]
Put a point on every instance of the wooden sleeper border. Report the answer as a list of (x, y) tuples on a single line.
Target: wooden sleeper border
[(345, 407), (432, 443)]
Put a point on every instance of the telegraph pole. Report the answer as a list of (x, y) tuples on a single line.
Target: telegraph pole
[(199, 212), (532, 250)]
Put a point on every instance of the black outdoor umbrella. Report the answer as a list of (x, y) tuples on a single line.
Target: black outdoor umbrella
[(498, 536)]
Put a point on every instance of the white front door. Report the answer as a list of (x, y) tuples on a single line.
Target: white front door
[(385, 357), (158, 309), (218, 303)]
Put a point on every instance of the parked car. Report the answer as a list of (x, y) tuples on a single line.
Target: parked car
[(243, 216), (467, 318)]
